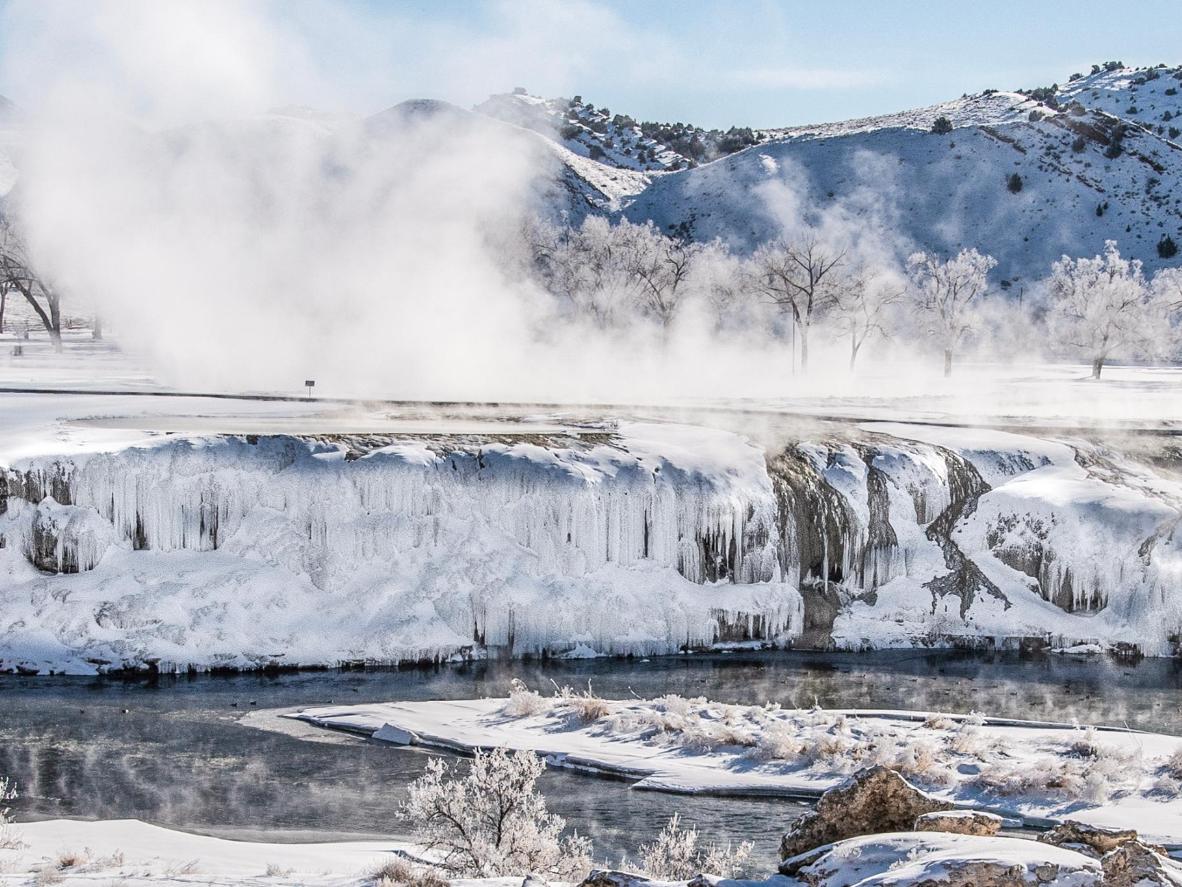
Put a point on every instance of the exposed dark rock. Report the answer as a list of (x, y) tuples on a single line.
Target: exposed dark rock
[(1092, 838), (611, 878), (1134, 864), (960, 822)]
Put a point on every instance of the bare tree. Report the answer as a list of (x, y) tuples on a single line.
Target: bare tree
[(799, 278), (860, 306), (945, 292), (1103, 308), (18, 274), (662, 266)]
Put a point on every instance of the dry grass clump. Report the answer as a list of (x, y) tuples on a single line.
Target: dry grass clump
[(585, 705), (401, 873)]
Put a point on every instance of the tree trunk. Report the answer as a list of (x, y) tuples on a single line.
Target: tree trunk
[(97, 332), (1097, 366), (3, 305), (55, 323), (947, 363), (853, 351), (804, 350)]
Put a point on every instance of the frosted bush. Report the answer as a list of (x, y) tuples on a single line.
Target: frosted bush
[(8, 839), (778, 742), (493, 822), (1173, 765), (524, 702), (676, 856)]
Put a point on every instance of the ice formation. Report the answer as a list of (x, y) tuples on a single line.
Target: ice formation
[(248, 551)]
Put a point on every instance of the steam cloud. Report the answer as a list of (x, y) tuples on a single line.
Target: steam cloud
[(239, 249)]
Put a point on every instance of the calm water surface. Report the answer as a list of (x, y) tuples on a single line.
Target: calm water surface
[(178, 755)]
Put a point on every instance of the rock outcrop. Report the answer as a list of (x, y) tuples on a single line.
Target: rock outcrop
[(874, 800), (960, 822), (1134, 864), (933, 859), (1088, 838)]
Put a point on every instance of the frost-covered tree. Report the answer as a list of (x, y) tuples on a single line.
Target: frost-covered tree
[(800, 278), (1102, 308), (1167, 289), (719, 279), (588, 268), (676, 855), (493, 822), (945, 291), (861, 304), (662, 267), (18, 274)]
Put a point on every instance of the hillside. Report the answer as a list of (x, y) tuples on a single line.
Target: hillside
[(617, 139), (1095, 159), (945, 191), (1026, 176)]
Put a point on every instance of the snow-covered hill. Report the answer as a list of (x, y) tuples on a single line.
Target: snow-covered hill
[(1026, 177), (1096, 159), (1151, 97), (1082, 178), (617, 139)]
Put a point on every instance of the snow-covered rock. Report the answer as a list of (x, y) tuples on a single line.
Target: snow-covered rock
[(872, 801), (948, 860), (960, 822)]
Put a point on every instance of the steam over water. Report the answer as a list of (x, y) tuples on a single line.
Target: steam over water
[(179, 757)]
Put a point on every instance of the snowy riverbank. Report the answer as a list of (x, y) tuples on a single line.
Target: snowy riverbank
[(1114, 778)]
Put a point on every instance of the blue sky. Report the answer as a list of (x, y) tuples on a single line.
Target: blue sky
[(759, 62)]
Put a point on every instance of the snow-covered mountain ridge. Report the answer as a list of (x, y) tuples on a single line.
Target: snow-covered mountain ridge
[(1088, 170)]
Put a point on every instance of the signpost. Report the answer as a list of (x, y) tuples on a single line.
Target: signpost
[(309, 384)]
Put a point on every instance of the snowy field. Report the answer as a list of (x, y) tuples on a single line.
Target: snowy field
[(1032, 771), (132, 853)]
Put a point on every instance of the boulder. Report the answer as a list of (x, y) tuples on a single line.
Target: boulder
[(1134, 864), (1090, 838), (611, 878), (938, 859), (960, 822), (872, 801)]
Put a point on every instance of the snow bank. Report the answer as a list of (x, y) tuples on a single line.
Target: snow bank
[(135, 853), (1103, 777)]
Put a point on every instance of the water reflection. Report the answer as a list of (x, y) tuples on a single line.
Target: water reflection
[(171, 750)]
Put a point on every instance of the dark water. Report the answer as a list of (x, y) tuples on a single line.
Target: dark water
[(179, 757)]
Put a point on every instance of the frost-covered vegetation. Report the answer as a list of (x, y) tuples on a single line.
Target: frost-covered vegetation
[(678, 854), (936, 753), (492, 821), (8, 837)]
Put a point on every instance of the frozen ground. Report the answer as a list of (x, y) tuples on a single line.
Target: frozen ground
[(1105, 777)]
